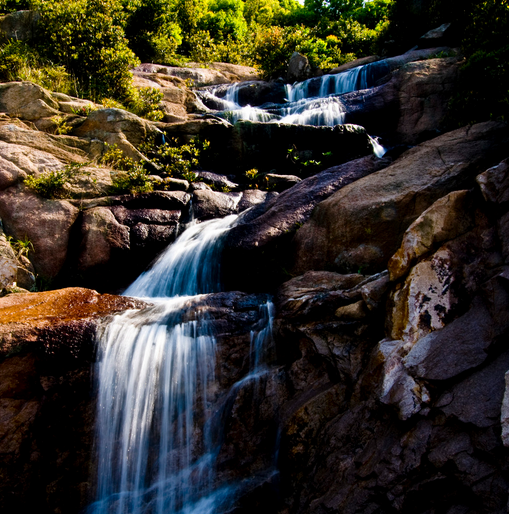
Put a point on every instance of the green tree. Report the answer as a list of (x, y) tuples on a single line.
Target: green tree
[(87, 37), (189, 14), (153, 31), (373, 13), (225, 18)]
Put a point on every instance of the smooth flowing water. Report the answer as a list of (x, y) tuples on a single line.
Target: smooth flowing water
[(154, 438), (316, 101)]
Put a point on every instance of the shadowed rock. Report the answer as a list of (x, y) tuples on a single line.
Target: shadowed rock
[(362, 225)]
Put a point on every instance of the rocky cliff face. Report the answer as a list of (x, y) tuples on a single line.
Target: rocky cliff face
[(385, 385)]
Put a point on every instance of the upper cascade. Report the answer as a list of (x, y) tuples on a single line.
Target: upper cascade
[(315, 101)]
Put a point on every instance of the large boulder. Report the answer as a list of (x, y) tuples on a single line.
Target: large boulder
[(261, 238), (27, 101), (411, 106), (117, 127), (298, 68), (45, 223), (361, 226)]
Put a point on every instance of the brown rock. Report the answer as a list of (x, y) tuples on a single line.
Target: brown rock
[(115, 126), (56, 148), (215, 73), (27, 317), (353, 64), (375, 211), (27, 101), (10, 174), (46, 223), (102, 235), (446, 219)]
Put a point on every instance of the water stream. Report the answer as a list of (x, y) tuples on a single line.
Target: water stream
[(316, 101), (155, 369)]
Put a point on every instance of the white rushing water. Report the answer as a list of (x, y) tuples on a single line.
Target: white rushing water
[(316, 101), (155, 371)]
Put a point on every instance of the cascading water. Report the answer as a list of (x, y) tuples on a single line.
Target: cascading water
[(155, 370), (316, 101)]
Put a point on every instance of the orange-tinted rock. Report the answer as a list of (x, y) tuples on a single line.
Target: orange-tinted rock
[(66, 314)]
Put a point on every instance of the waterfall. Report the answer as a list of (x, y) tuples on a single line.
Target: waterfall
[(155, 373), (316, 101)]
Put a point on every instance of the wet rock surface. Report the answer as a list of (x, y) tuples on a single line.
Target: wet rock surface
[(46, 407)]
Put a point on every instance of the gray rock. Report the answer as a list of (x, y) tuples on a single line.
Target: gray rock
[(19, 26), (459, 346), (494, 183), (212, 204), (478, 398), (219, 182), (280, 183), (298, 68)]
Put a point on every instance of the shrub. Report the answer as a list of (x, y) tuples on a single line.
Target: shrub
[(174, 159), (130, 176), (20, 62), (146, 102), (61, 127), (134, 179), (51, 184)]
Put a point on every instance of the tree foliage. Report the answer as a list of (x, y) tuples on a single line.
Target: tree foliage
[(90, 45), (87, 37)]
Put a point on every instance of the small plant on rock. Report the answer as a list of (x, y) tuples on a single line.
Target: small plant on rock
[(252, 176), (84, 110), (21, 247), (51, 184), (146, 103), (61, 127), (130, 176), (174, 159)]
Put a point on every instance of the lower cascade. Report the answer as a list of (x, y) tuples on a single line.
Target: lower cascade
[(156, 433)]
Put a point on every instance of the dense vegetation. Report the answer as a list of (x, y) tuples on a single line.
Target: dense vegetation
[(86, 47)]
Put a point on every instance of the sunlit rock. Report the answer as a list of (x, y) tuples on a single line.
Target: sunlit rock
[(446, 219)]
